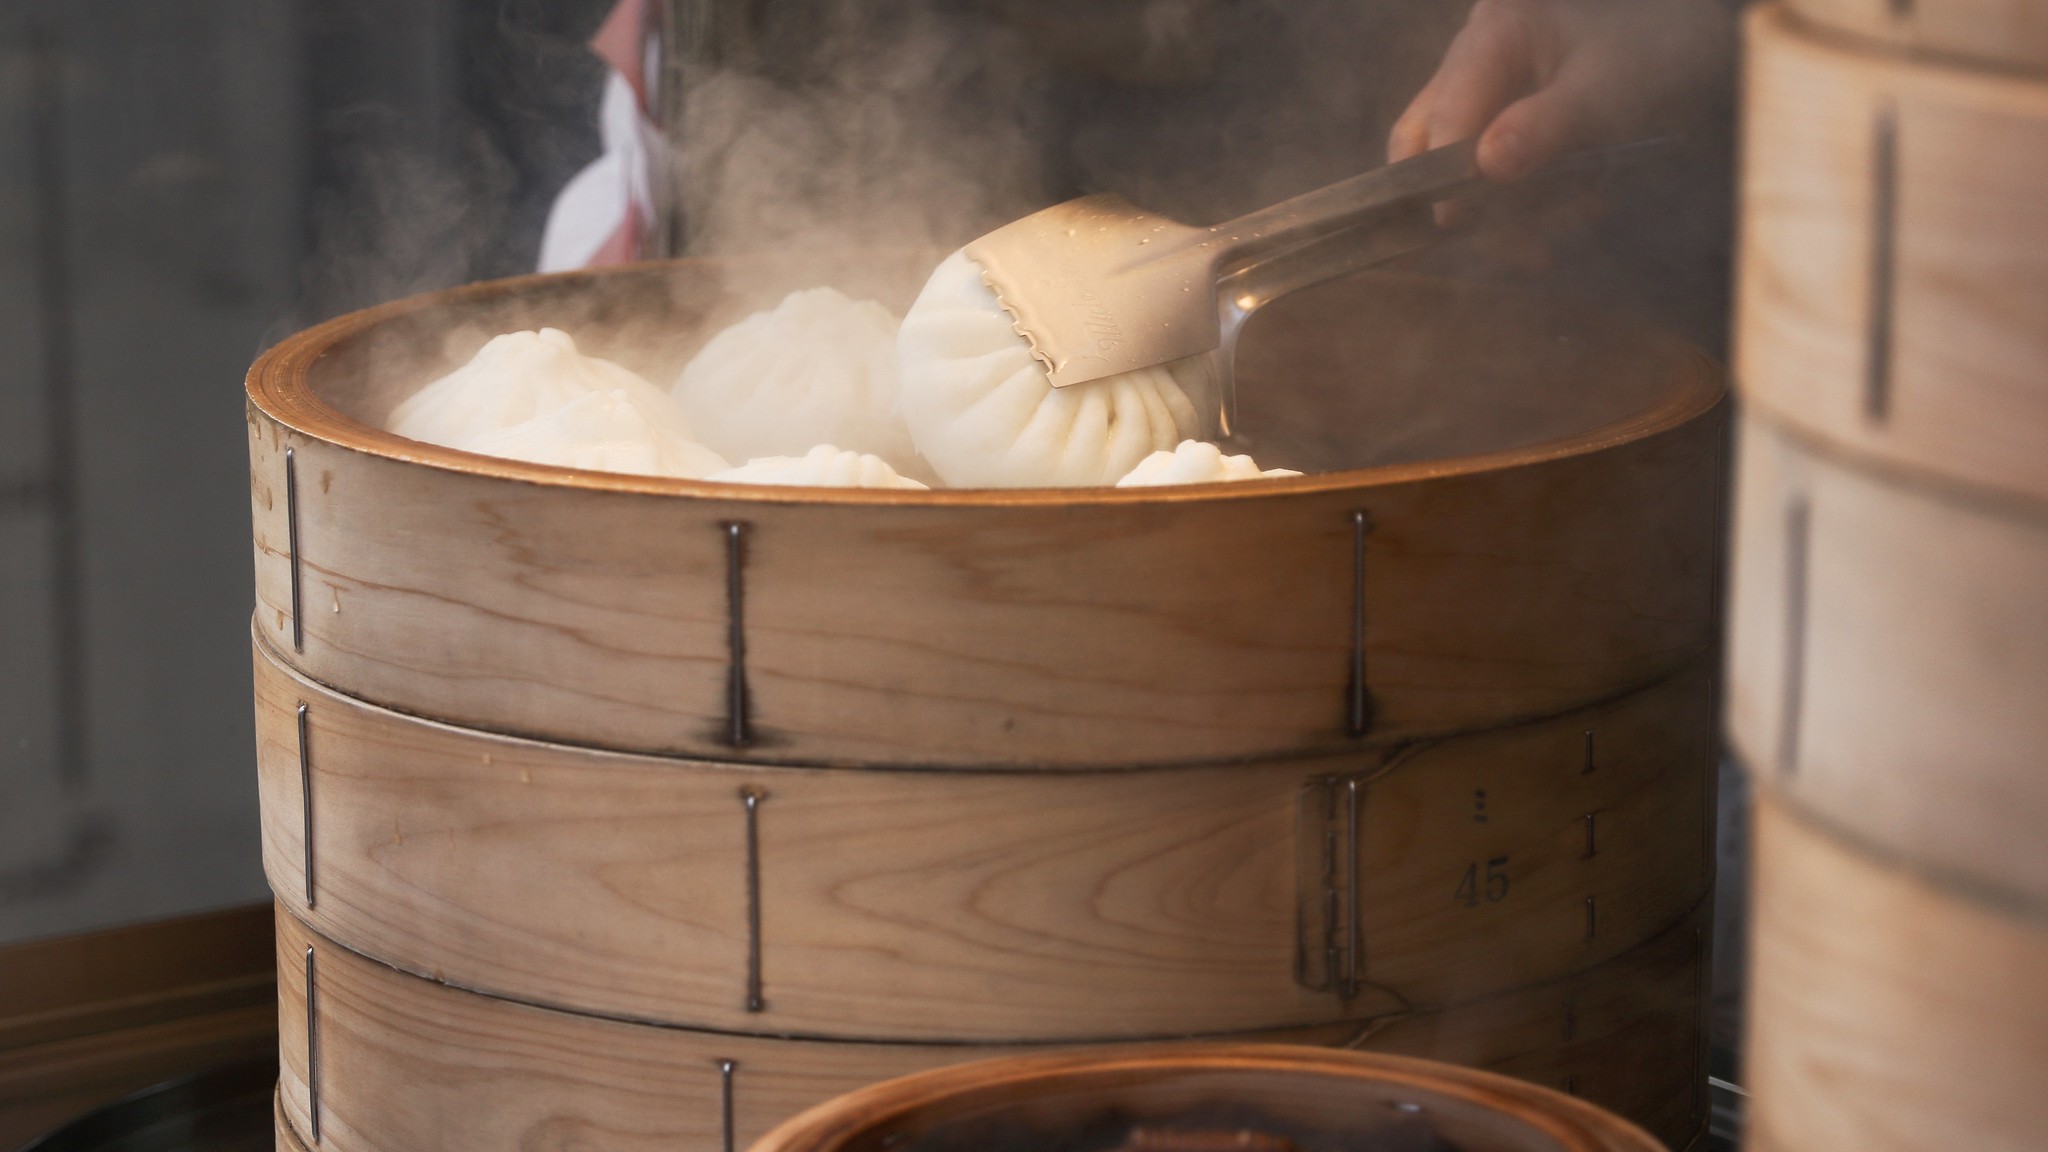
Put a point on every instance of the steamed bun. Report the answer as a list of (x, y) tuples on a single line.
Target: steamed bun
[(601, 431), (983, 413), (818, 369), (1195, 462), (532, 396), (823, 467)]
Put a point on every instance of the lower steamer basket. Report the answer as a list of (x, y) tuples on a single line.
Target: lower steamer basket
[(376, 1060), (987, 906)]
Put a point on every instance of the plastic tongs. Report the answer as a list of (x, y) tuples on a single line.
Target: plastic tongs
[(1099, 286)]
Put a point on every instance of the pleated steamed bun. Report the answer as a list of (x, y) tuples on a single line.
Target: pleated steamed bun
[(819, 368), (532, 396), (1195, 462), (984, 415), (824, 466)]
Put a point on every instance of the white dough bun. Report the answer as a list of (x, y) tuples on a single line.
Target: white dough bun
[(532, 396), (822, 467), (984, 415), (604, 432), (1195, 462), (818, 368)]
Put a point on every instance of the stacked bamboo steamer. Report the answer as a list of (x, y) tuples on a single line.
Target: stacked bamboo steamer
[(1889, 657), (647, 813)]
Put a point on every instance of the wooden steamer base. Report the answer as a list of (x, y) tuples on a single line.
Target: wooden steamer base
[(402, 1063), (646, 811)]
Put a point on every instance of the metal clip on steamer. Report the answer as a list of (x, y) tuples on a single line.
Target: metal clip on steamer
[(1100, 286)]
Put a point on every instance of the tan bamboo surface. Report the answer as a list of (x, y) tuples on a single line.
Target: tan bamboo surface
[(1892, 280), (404, 1063), (1887, 1009), (983, 905), (1199, 1093), (1888, 658), (2009, 33), (1535, 490)]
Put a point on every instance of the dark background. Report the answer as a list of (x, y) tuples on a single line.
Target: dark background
[(181, 183)]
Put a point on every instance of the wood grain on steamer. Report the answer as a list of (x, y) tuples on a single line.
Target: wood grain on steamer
[(1887, 658), (1887, 1011), (983, 905), (1892, 285), (1018, 629), (1999, 32), (404, 1063)]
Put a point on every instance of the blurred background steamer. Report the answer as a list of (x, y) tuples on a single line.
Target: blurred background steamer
[(1889, 634), (662, 809)]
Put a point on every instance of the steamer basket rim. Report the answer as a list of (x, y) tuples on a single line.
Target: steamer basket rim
[(1576, 1125), (276, 387)]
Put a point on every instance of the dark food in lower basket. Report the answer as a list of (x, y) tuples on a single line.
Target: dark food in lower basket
[(1375, 1128)]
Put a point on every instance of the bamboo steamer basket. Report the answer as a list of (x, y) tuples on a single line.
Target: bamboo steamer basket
[(1241, 1095), (1521, 523), (1888, 1009), (2010, 33), (987, 906), (585, 775), (1888, 656), (380, 1059), (1892, 282)]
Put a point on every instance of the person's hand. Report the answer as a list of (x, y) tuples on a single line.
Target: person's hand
[(1533, 79)]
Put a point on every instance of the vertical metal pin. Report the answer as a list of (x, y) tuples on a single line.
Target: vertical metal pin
[(1358, 715), (1792, 689), (312, 1045), (306, 801), (725, 1070), (1588, 769), (291, 527), (750, 798), (1592, 845), (1354, 950), (1592, 919), (1884, 222), (737, 732)]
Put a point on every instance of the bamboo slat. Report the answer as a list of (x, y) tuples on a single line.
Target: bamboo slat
[(1551, 546), (403, 1063), (1892, 282), (1887, 1010), (1888, 658), (984, 905)]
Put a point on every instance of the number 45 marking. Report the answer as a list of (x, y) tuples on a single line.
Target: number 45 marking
[(1491, 887)]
